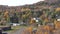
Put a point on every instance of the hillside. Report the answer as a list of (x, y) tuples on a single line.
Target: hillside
[(41, 9), (35, 5)]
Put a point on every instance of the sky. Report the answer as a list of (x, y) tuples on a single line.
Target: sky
[(17, 2)]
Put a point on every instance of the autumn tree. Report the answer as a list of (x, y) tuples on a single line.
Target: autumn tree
[(6, 15)]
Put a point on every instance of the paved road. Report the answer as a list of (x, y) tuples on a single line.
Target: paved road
[(19, 31)]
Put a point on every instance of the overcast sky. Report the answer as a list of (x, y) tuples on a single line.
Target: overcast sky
[(17, 2)]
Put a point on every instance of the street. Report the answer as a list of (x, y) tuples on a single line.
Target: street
[(19, 31)]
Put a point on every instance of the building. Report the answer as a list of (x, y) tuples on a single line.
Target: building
[(58, 18)]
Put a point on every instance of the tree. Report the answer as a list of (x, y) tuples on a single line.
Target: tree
[(26, 16), (6, 16), (14, 19)]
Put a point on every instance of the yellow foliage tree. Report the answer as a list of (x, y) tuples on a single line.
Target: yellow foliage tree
[(6, 14), (32, 21), (47, 28), (57, 9), (57, 25), (41, 32), (46, 20), (29, 29), (46, 33)]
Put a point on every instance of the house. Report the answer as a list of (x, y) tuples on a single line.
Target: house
[(58, 18)]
